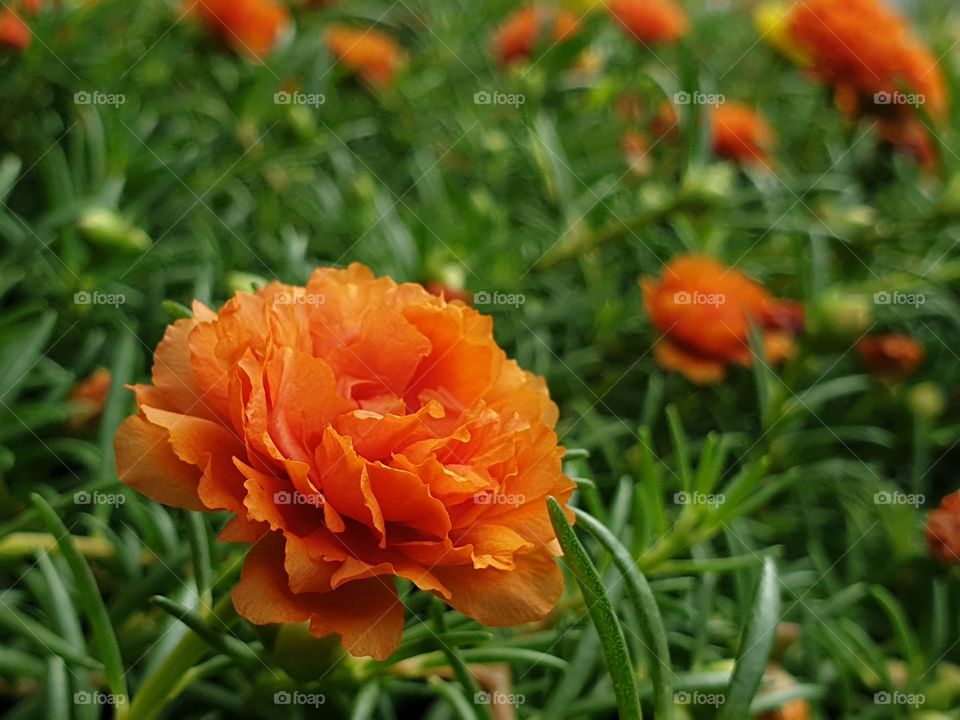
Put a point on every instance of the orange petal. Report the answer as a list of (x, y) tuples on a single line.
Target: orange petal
[(505, 597), (697, 370), (147, 463)]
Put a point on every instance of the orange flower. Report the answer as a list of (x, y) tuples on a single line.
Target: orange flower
[(741, 134), (650, 22), (14, 32), (360, 431), (89, 397), (943, 530), (776, 679), (891, 357), (703, 312), (373, 55), (251, 27), (875, 64), (518, 36)]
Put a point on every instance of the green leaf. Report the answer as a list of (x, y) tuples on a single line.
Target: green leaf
[(755, 646), (91, 601), (651, 623), (601, 612)]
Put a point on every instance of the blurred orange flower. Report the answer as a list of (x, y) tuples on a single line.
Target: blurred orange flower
[(251, 27), (703, 311), (360, 431), (650, 22), (742, 134), (876, 65), (892, 356), (518, 36), (14, 32), (89, 397), (943, 530), (373, 55)]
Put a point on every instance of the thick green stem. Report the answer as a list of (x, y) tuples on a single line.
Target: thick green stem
[(165, 682)]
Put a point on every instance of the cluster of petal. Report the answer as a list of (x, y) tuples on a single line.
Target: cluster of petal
[(359, 431), (517, 37), (893, 356), (650, 22), (943, 530), (742, 134), (250, 27), (703, 311), (872, 59), (371, 54)]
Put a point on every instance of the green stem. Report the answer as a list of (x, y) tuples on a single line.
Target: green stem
[(165, 683)]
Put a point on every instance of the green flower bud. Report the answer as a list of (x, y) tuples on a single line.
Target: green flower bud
[(110, 229), (926, 401)]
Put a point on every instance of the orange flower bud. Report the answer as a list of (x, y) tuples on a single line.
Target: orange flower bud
[(741, 134), (251, 27), (891, 357), (943, 530), (650, 22), (14, 32), (518, 36)]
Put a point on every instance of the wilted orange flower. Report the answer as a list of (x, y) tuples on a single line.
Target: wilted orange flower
[(875, 64), (893, 356), (518, 36), (650, 22), (703, 311), (360, 431), (943, 530), (251, 27), (373, 55), (14, 32), (741, 134), (89, 397)]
